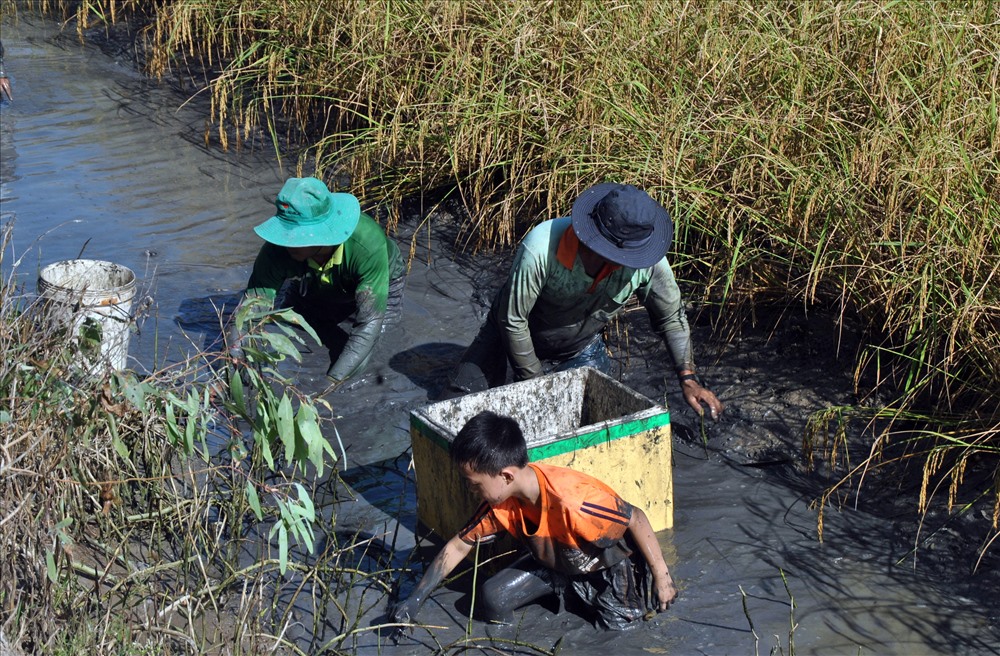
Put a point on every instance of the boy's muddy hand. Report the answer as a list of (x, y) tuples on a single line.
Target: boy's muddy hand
[(666, 592), (405, 612)]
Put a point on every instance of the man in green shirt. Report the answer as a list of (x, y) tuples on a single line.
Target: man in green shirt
[(344, 265), (569, 278)]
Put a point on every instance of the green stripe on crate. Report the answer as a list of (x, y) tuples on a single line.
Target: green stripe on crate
[(608, 434)]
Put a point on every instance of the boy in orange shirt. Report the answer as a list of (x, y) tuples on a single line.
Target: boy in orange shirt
[(582, 537)]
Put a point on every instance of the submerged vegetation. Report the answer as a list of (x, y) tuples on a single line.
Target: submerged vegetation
[(835, 157)]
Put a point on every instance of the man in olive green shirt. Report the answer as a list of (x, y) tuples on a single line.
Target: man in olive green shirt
[(344, 265), (569, 278)]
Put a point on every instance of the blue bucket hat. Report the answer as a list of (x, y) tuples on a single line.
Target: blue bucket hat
[(310, 215), (622, 224)]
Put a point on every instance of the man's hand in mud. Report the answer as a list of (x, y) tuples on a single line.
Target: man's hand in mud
[(5, 88), (695, 395)]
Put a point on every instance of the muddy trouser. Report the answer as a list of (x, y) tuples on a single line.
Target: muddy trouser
[(484, 363), (325, 315), (618, 595)]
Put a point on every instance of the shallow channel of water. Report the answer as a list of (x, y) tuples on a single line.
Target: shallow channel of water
[(96, 160)]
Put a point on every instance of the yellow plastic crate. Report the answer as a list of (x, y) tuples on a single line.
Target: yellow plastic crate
[(581, 419)]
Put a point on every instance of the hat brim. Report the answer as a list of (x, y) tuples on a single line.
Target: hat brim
[(635, 258), (335, 228)]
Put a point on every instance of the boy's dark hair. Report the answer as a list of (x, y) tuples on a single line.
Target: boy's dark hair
[(489, 442)]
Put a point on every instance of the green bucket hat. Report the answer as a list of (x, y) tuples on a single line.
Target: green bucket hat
[(310, 215)]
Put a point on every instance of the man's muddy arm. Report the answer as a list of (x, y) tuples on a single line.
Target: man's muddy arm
[(512, 307), (361, 342)]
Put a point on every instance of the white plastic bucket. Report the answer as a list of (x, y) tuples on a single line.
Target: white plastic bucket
[(95, 296)]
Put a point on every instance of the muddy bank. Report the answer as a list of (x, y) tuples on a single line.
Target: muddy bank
[(109, 161)]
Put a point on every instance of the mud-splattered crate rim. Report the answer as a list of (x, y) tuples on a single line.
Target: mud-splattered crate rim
[(582, 419)]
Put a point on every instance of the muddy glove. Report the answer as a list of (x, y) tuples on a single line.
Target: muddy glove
[(358, 349)]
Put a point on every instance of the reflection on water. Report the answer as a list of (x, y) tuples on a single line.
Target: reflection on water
[(206, 317), (111, 165), (427, 366)]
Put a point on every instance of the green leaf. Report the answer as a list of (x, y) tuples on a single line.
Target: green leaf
[(189, 435), (250, 309), (305, 535), (265, 447), (282, 345), (50, 566), (282, 548), (173, 430), (205, 416), (91, 332), (254, 500), (307, 422), (4, 417), (136, 392), (116, 440), (60, 530), (306, 503), (294, 318), (236, 390), (120, 447), (300, 517), (285, 423)]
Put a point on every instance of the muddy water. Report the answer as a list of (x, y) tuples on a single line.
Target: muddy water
[(99, 162)]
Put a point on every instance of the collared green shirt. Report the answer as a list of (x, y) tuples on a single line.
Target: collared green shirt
[(367, 261), (358, 272), (548, 311)]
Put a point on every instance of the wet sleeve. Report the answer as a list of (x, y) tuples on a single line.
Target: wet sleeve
[(483, 526), (372, 270), (514, 304), (270, 270), (662, 299), (364, 334)]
